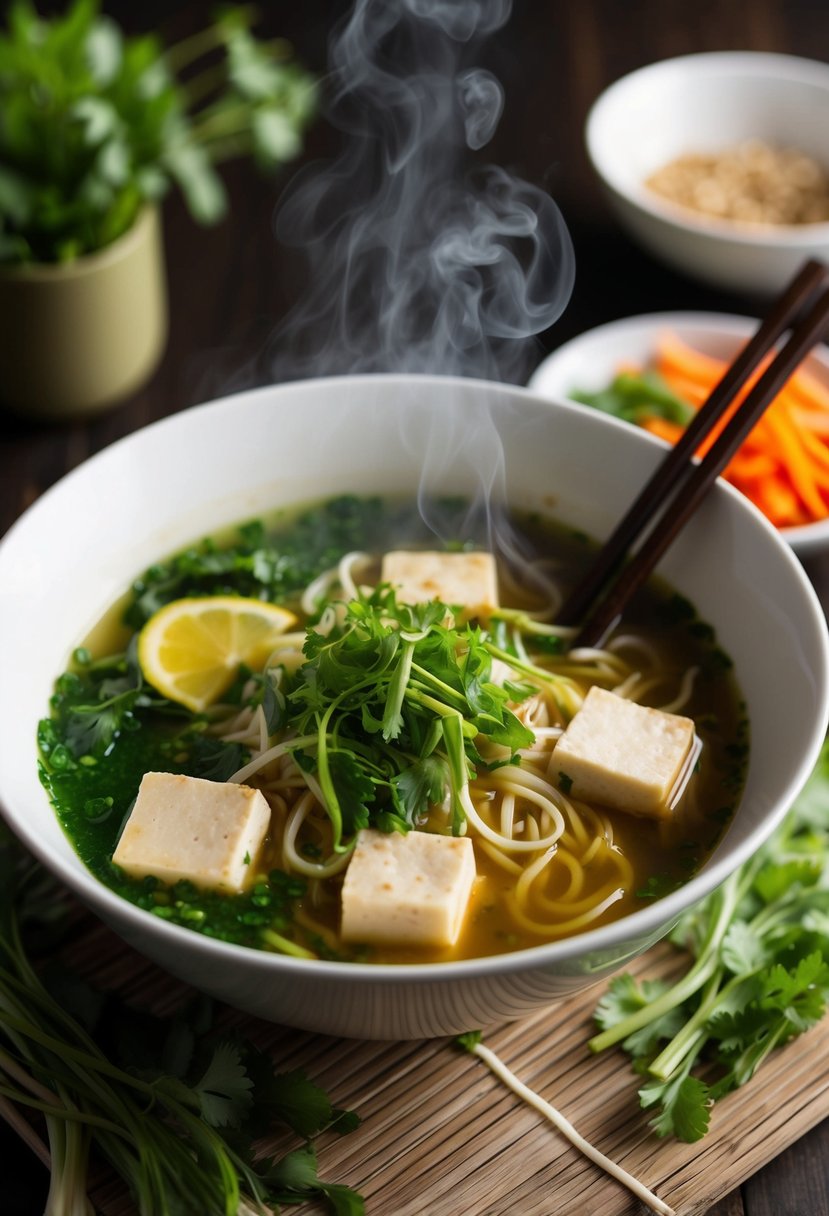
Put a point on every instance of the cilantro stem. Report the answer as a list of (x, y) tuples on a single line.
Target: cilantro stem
[(761, 976), (393, 717), (332, 802), (181, 54), (527, 624), (9, 1112), (230, 147), (212, 78), (446, 712), (284, 945), (58, 1109), (726, 899), (456, 699), (221, 123), (692, 1036), (458, 770), (76, 1056), (560, 686)]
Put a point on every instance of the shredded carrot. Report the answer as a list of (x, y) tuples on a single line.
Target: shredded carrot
[(806, 387), (812, 421), (751, 466), (797, 462), (783, 466), (815, 440), (662, 427), (692, 364), (777, 500)]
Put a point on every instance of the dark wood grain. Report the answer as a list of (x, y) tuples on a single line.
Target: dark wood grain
[(230, 286)]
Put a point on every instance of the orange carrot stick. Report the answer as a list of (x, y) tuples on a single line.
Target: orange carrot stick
[(674, 354), (798, 464), (783, 465), (663, 428)]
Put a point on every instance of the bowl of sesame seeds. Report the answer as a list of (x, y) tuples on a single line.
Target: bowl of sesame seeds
[(718, 164)]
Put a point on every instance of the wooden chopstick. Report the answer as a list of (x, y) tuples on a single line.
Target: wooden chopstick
[(679, 483)]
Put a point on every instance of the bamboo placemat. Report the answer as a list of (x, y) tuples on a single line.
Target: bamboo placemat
[(440, 1135)]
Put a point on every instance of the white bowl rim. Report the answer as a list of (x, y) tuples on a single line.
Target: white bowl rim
[(681, 219), (803, 538), (641, 924)]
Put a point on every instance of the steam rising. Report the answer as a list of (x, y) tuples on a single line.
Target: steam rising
[(417, 261)]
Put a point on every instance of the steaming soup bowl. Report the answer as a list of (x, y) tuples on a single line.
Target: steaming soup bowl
[(78, 547)]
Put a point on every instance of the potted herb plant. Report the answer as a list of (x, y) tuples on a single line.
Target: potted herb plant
[(95, 127)]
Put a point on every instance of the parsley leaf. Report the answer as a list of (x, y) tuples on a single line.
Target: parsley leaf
[(424, 782), (224, 1089), (294, 1178), (684, 1107)]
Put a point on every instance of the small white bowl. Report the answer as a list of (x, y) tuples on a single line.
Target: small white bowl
[(197, 471), (590, 361), (707, 103)]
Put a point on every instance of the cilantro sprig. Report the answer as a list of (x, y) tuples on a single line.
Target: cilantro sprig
[(759, 976), (397, 701)]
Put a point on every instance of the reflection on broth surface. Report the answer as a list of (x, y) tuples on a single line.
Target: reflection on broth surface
[(380, 711)]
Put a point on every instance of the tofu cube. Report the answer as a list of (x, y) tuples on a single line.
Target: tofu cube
[(468, 580), (623, 755), (209, 832), (410, 889)]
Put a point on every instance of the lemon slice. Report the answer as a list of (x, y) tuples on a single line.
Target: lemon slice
[(191, 649)]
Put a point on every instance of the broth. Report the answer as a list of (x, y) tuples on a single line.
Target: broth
[(92, 763)]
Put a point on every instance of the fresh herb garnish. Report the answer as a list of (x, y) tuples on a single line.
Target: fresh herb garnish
[(94, 704), (759, 976), (565, 783), (397, 674)]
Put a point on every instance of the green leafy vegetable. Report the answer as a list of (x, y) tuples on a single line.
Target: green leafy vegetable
[(94, 124), (397, 674), (92, 705), (759, 976), (254, 563), (172, 1107), (635, 397)]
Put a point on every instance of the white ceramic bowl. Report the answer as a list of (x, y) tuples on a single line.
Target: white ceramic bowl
[(705, 103), (590, 361), (78, 547)]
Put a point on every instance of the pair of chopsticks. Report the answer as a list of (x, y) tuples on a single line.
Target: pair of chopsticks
[(675, 490)]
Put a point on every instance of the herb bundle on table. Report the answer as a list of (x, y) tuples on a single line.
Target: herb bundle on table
[(176, 1110), (759, 975)]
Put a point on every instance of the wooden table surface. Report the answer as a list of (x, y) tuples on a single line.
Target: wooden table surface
[(230, 286)]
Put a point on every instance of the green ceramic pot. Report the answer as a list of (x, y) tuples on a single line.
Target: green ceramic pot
[(77, 338)]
